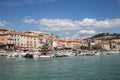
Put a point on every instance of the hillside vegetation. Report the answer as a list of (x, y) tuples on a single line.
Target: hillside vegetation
[(107, 36)]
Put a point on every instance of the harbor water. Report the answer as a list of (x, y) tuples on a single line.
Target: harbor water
[(104, 67)]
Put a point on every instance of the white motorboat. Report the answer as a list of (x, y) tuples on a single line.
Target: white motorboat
[(46, 56)]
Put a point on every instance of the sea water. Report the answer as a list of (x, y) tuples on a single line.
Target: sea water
[(105, 67)]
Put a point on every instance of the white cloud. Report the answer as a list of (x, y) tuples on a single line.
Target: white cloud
[(70, 25), (87, 32), (84, 33), (94, 23), (29, 20), (3, 23), (58, 24), (108, 23), (66, 27)]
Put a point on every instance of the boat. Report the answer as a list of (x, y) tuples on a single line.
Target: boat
[(112, 52), (44, 56), (12, 54), (28, 56), (60, 54), (3, 53), (36, 54)]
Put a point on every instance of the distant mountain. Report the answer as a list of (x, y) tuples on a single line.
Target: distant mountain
[(106, 36)]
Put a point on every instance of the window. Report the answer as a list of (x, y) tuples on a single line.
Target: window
[(40, 40), (2, 39), (114, 47)]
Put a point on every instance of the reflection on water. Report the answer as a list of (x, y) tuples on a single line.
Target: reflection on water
[(3, 58), (105, 67)]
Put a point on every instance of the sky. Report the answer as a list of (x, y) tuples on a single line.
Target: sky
[(65, 18)]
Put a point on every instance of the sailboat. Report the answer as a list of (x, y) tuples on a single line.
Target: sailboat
[(49, 54)]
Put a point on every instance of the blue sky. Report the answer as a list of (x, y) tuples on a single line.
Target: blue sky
[(65, 18)]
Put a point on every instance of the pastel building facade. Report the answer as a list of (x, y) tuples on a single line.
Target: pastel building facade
[(25, 41), (6, 39), (113, 44), (69, 43), (45, 38)]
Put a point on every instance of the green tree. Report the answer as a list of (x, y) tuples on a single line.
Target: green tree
[(83, 47), (44, 46)]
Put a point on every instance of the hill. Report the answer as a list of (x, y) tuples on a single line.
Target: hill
[(106, 36)]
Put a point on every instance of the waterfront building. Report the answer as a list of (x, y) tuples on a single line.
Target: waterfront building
[(85, 43), (115, 44), (6, 39), (45, 38), (3, 31), (25, 41), (105, 45), (91, 43), (69, 43), (10, 39)]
